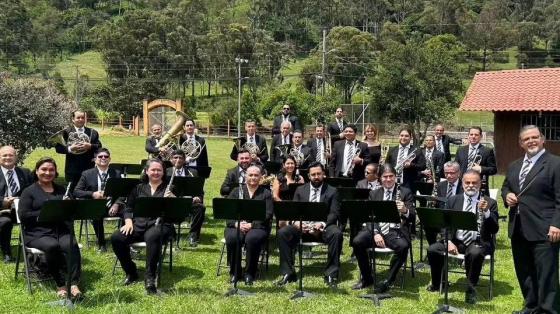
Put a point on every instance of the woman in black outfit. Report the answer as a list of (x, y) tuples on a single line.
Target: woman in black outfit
[(52, 238), (253, 233), (284, 178), (140, 229), (371, 137)]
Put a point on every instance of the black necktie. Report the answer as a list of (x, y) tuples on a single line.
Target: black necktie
[(103, 180)]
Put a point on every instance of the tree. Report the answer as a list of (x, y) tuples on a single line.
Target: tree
[(15, 34), (417, 83)]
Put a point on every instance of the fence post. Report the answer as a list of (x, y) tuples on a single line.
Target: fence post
[(228, 126)]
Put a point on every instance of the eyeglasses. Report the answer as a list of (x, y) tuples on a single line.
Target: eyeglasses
[(102, 156)]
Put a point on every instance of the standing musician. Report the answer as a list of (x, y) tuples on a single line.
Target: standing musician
[(318, 231), (251, 141), (189, 136), (433, 156), (12, 182), (443, 141), (408, 157), (318, 145), (393, 236), (531, 190), (141, 229), (287, 176), (371, 180), (285, 116), (181, 169), (474, 244), (478, 157), (232, 176), (371, 138), (349, 156), (254, 234), (92, 186), (284, 138), (153, 140), (336, 128), (52, 238), (302, 152), (79, 154)]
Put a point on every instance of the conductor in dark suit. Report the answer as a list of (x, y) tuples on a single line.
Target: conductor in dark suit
[(336, 128), (251, 140), (433, 157), (480, 157), (393, 236), (12, 182), (346, 160), (284, 138), (328, 232), (443, 141), (286, 116), (475, 245), (190, 136), (79, 155), (531, 191), (232, 176), (92, 186), (411, 167)]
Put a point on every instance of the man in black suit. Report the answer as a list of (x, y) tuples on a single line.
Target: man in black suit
[(153, 140), (92, 186), (328, 232), (79, 154), (336, 128), (318, 145), (190, 136), (407, 159), (477, 157), (301, 151), (251, 141), (531, 190), (286, 116), (12, 182), (181, 169), (434, 158), (393, 236), (231, 180), (474, 244), (443, 141), (284, 138), (346, 160)]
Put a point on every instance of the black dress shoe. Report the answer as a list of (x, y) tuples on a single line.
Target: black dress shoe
[(7, 259), (130, 279), (470, 296), (287, 278), (233, 279), (382, 287), (249, 280), (432, 288), (331, 281), (151, 286), (362, 284), (193, 240), (102, 248)]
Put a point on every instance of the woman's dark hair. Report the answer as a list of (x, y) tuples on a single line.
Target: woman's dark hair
[(282, 174), (42, 161), (149, 162)]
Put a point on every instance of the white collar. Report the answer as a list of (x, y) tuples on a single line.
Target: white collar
[(534, 158), (5, 170)]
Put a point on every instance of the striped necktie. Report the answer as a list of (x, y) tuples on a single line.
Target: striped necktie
[(103, 177), (315, 195), (524, 171), (401, 154), (349, 154), (469, 236), (472, 153), (385, 226), (450, 189), (440, 145), (12, 182), (319, 156)]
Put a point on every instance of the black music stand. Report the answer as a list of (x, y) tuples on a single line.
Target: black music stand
[(447, 219), (426, 199), (238, 210), (300, 211), (352, 193), (362, 211), (272, 167), (56, 211), (289, 193), (120, 187), (203, 172), (127, 169), (188, 186), (304, 173), (340, 182)]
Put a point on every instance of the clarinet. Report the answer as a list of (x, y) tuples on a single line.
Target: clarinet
[(67, 193), (240, 195)]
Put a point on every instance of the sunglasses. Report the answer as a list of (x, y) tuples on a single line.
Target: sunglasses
[(102, 156)]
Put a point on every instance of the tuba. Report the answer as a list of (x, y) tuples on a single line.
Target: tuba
[(166, 141)]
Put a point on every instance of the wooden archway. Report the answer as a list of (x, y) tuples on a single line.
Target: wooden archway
[(177, 105)]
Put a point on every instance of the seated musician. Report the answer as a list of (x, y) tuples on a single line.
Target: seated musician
[(288, 175), (254, 234), (52, 238), (181, 169), (92, 186), (393, 236), (371, 180), (318, 231), (140, 229), (232, 176), (474, 244)]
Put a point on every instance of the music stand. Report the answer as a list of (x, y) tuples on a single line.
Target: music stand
[(127, 169), (300, 211), (340, 182), (425, 188), (352, 193), (57, 211), (238, 210), (289, 193), (272, 166), (188, 186), (120, 187), (203, 172), (424, 199), (365, 211), (447, 219)]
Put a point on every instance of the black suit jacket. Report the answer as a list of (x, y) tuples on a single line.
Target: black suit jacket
[(150, 146), (231, 181), (408, 199), (261, 193), (76, 164), (275, 154), (539, 205), (294, 120), (261, 143), (308, 157), (335, 131), (445, 141), (487, 164), (338, 159), (312, 144), (410, 174), (88, 182), (24, 179), (443, 185), (438, 159), (202, 160), (329, 195), (489, 225)]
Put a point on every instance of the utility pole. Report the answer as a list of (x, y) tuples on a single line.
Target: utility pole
[(77, 87), (324, 59), (239, 61)]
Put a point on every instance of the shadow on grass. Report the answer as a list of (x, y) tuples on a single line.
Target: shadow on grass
[(117, 296)]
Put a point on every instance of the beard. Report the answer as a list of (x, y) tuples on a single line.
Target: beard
[(471, 192)]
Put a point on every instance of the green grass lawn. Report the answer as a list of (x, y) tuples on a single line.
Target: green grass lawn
[(194, 287)]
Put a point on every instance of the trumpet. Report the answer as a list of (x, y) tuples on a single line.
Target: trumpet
[(475, 161), (410, 157)]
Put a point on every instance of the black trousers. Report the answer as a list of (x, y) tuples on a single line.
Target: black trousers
[(57, 252), (288, 239), (198, 215), (474, 259), (393, 240), (99, 230), (6, 226), (536, 266), (254, 241), (154, 237)]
